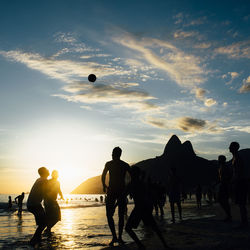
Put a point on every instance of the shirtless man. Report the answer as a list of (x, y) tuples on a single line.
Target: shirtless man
[(116, 193), (36, 195)]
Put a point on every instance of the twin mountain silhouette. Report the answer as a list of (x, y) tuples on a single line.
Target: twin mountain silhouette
[(191, 169)]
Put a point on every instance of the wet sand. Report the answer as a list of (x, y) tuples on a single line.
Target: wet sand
[(201, 234), (86, 228)]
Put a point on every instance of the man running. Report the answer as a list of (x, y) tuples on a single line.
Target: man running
[(116, 192)]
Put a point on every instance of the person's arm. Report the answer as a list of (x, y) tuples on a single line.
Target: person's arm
[(60, 192), (105, 170), (16, 199)]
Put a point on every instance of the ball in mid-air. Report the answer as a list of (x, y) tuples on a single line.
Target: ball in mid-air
[(91, 78)]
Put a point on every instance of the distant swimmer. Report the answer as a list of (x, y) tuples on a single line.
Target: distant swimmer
[(9, 203), (19, 202), (116, 192), (36, 196), (52, 209)]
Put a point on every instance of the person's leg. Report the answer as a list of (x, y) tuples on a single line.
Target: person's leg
[(40, 218), (179, 209), (172, 211), (157, 230), (110, 209), (134, 219), (121, 213)]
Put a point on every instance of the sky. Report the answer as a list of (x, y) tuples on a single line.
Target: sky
[(162, 68)]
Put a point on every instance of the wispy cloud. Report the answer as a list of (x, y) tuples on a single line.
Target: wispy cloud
[(65, 70), (185, 69), (185, 34), (202, 45), (186, 124), (246, 86), (116, 96), (235, 50)]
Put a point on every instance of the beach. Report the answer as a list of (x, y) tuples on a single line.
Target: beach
[(84, 226)]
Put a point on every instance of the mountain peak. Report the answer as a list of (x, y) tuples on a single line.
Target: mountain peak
[(187, 146), (173, 144)]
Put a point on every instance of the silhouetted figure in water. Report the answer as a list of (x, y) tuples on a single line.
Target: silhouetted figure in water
[(52, 209), (240, 184), (36, 195), (116, 192), (161, 200), (9, 203), (101, 199), (19, 202), (142, 210), (198, 194), (174, 193), (225, 176)]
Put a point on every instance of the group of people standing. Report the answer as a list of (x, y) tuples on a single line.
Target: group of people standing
[(141, 192), (233, 183), (47, 190)]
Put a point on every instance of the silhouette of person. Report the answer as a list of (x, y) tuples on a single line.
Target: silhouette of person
[(52, 209), (225, 176), (116, 192), (198, 194), (36, 195), (19, 202), (9, 203), (240, 184), (142, 210), (174, 193), (101, 199), (161, 198)]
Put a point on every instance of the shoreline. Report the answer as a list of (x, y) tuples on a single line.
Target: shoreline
[(205, 233)]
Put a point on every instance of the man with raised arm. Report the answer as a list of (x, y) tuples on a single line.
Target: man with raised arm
[(116, 192)]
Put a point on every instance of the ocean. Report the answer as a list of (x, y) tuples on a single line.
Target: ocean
[(83, 225)]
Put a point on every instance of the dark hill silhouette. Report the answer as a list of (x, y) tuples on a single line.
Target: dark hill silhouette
[(191, 169), (90, 186)]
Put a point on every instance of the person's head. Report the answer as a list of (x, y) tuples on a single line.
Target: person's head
[(221, 159), (43, 172), (22, 193), (234, 147), (117, 152), (54, 174), (9, 197)]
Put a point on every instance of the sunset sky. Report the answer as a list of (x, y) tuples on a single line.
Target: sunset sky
[(162, 67)]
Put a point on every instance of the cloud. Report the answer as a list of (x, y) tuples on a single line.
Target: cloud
[(235, 50), (202, 45), (200, 95), (245, 88), (65, 70), (118, 97), (188, 124), (185, 69), (210, 102), (184, 34), (234, 74)]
